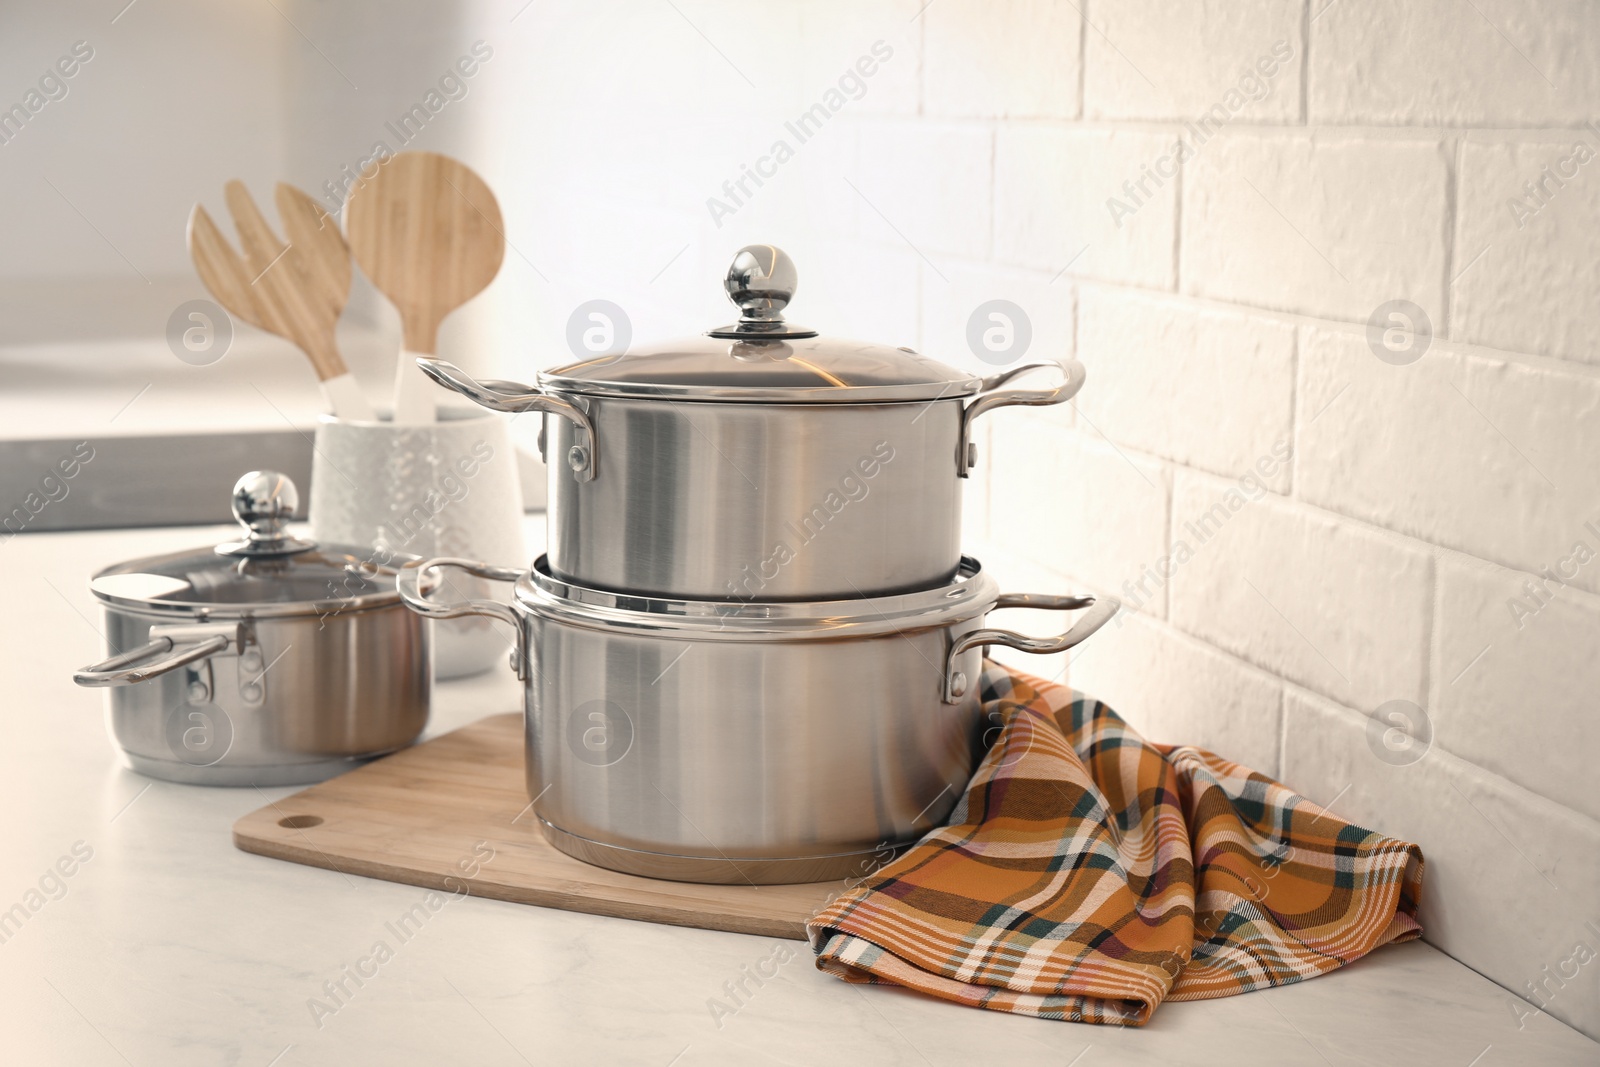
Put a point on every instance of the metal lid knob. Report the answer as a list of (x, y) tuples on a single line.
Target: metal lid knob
[(263, 503), (761, 281)]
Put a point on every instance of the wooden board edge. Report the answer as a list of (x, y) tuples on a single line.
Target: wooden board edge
[(669, 914)]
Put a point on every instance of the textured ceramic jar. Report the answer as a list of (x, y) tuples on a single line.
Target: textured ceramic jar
[(449, 488)]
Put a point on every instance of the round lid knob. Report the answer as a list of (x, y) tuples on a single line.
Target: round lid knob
[(761, 281), (263, 503)]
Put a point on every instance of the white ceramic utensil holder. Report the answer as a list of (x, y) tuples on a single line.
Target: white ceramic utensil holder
[(448, 488)]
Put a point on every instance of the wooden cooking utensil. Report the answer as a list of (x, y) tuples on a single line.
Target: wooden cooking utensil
[(295, 290), (427, 231)]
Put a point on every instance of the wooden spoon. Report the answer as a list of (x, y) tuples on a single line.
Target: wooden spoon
[(427, 231), (295, 290)]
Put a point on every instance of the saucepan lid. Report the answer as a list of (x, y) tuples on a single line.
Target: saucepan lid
[(764, 358), (267, 572)]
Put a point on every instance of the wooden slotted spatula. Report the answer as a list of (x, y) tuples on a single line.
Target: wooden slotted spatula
[(427, 231), (295, 290)]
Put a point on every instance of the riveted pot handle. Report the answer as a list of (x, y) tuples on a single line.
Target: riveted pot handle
[(956, 683), (140, 664), (498, 395), (1072, 375), (409, 580)]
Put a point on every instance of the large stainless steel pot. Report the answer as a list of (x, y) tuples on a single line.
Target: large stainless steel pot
[(725, 742), (759, 462), (266, 661)]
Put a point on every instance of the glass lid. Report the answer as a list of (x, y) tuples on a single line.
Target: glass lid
[(266, 572), (762, 357)]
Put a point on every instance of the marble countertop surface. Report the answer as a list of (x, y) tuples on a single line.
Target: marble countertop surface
[(169, 946)]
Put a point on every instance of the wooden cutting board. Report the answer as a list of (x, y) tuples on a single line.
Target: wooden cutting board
[(419, 816)]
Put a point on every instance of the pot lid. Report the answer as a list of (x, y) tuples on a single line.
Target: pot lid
[(266, 572), (763, 357)]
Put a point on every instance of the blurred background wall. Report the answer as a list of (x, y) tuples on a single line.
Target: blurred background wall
[(1330, 265)]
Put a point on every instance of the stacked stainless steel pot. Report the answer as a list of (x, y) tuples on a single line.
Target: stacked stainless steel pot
[(751, 651)]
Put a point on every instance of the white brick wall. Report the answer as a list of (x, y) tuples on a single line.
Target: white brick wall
[(1390, 444), (946, 209), (1153, 59), (950, 295), (1075, 502), (1331, 605), (1013, 58), (837, 33), (1528, 277), (1052, 183), (1512, 648), (1156, 361), (1488, 62), (1321, 226)]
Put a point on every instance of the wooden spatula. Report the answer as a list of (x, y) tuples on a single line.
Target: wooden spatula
[(427, 231), (295, 290)]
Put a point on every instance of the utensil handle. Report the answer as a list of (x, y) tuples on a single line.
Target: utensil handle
[(957, 684), (409, 583), (131, 667), (583, 458), (1072, 373), (346, 400), (413, 399)]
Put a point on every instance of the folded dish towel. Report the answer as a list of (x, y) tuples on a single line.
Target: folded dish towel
[(1089, 875)]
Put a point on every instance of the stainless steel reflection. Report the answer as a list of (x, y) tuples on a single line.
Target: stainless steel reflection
[(266, 661), (760, 461), (761, 501), (750, 742), (272, 701)]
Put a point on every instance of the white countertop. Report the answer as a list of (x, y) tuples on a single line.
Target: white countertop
[(170, 947)]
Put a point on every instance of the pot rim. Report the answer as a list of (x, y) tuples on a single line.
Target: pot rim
[(972, 594), (226, 611), (792, 395), (210, 612)]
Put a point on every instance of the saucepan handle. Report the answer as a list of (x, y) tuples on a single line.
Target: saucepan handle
[(1100, 610), (498, 395), (409, 583), (991, 396), (142, 663)]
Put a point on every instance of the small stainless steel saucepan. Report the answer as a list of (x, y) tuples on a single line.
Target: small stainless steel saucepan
[(760, 461), (722, 742), (264, 661)]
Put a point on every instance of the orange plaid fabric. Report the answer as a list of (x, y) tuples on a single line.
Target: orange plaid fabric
[(1089, 875)]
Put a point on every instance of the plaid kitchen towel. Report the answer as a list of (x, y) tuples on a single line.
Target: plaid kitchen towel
[(1088, 874)]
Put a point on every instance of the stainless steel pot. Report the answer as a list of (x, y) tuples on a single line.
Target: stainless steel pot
[(761, 743), (759, 462), (266, 661)]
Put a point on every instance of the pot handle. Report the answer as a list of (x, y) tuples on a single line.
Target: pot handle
[(133, 666), (1072, 373), (498, 395), (1101, 609), (408, 582)]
